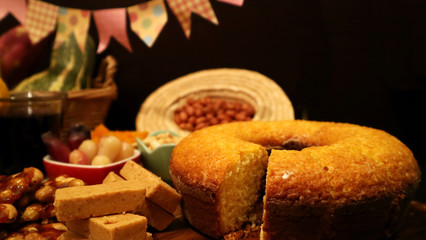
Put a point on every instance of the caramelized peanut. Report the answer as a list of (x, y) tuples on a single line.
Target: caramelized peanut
[(38, 211), (63, 181), (19, 190), (46, 194), (23, 201), (34, 236), (76, 182), (55, 226), (15, 236), (6, 195), (8, 213), (32, 213), (37, 176)]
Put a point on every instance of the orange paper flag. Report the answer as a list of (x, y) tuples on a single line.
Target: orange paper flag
[(184, 8)]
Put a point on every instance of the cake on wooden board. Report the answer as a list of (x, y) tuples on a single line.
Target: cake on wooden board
[(329, 180)]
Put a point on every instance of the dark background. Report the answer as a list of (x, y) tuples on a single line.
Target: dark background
[(356, 61)]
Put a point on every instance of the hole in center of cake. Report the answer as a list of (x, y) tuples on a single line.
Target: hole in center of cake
[(289, 145)]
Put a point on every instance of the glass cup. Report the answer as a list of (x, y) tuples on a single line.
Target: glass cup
[(24, 117)]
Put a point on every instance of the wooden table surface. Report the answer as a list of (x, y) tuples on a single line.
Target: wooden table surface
[(414, 227)]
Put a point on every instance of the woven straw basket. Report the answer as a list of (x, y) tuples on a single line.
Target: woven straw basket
[(261, 92), (90, 106)]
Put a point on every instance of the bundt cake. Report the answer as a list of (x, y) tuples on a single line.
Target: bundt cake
[(299, 179)]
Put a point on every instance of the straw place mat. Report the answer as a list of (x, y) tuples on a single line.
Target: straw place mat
[(265, 95)]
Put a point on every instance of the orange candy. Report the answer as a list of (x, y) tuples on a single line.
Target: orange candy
[(126, 136)]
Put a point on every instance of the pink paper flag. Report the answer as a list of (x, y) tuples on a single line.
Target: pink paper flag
[(148, 19), (111, 23), (183, 9), (17, 8), (233, 2), (72, 21), (41, 20)]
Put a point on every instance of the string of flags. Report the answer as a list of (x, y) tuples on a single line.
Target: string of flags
[(146, 20)]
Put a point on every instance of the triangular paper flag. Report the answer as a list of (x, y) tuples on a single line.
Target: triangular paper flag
[(183, 9), (148, 19), (233, 2), (17, 8), (111, 23), (41, 19), (70, 21)]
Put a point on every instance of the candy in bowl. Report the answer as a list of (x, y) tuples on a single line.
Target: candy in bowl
[(90, 174)]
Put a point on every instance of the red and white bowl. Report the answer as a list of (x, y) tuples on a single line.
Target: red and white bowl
[(88, 173)]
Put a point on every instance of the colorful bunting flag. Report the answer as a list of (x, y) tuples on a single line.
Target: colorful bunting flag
[(111, 23), (17, 8), (148, 19), (184, 8), (233, 2), (72, 21), (41, 20)]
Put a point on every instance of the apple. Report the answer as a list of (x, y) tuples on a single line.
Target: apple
[(78, 157)]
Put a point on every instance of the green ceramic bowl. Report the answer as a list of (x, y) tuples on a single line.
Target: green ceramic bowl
[(157, 160)]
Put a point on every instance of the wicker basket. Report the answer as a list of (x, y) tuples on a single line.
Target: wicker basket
[(261, 92), (90, 106)]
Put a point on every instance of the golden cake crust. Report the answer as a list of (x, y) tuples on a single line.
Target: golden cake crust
[(343, 170)]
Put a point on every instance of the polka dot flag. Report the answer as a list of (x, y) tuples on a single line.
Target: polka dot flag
[(72, 21), (148, 19)]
